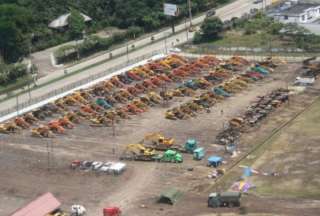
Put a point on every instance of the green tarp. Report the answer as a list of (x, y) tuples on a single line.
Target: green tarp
[(170, 196)]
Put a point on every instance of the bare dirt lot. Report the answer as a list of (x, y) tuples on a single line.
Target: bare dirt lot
[(24, 162)]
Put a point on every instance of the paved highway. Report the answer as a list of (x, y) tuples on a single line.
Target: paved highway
[(165, 39)]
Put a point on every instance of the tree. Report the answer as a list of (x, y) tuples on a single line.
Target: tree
[(76, 24), (14, 22), (211, 28)]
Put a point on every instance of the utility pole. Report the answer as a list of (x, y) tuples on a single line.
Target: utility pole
[(185, 25), (190, 13)]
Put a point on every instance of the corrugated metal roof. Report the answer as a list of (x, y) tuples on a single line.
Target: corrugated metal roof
[(62, 20), (41, 206), (298, 8)]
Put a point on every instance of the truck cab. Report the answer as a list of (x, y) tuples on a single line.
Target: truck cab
[(198, 153), (224, 199), (190, 145)]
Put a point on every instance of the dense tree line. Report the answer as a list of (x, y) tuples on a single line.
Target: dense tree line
[(24, 22)]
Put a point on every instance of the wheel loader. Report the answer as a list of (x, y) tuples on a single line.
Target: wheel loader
[(186, 110), (140, 104), (170, 115), (8, 127), (100, 121), (42, 131)]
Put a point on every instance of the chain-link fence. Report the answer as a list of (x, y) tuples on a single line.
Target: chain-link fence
[(249, 51), (76, 84)]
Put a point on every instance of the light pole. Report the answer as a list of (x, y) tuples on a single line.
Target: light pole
[(127, 53), (190, 12), (165, 41)]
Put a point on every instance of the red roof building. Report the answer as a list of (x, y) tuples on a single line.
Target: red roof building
[(41, 206)]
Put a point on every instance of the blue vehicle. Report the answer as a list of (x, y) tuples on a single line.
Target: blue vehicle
[(220, 91), (191, 84), (190, 145), (102, 102), (261, 70), (214, 161)]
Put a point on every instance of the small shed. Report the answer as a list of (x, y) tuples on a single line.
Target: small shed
[(170, 196), (41, 206)]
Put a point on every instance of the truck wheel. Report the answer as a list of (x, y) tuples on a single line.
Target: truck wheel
[(231, 205)]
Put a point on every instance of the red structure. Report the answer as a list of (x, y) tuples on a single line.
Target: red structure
[(41, 206)]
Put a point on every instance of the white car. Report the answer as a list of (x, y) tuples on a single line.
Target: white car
[(78, 210), (96, 165), (118, 168), (105, 167)]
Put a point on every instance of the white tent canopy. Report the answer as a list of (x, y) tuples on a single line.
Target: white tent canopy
[(62, 20)]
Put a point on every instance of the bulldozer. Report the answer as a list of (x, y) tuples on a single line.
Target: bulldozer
[(8, 127), (158, 141), (138, 152), (42, 131)]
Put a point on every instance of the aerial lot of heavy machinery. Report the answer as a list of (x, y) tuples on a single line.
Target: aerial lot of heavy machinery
[(172, 103)]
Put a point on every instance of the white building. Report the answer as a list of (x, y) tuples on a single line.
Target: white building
[(300, 13)]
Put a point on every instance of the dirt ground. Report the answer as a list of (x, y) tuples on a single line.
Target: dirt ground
[(30, 166)]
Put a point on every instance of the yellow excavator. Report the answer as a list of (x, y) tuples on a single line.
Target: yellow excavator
[(138, 152), (159, 142)]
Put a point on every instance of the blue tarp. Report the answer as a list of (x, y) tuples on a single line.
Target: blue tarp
[(214, 159)]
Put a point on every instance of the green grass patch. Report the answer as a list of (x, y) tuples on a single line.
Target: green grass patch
[(17, 84), (238, 39)]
